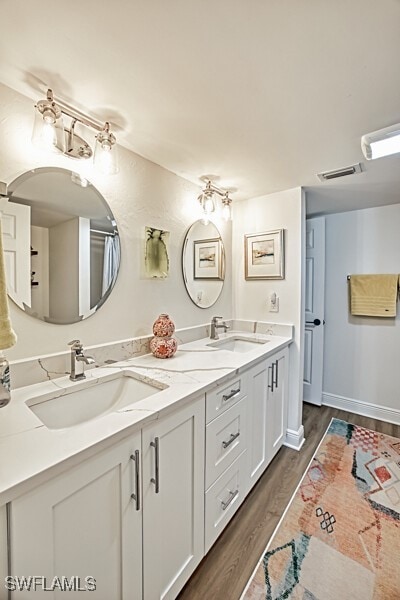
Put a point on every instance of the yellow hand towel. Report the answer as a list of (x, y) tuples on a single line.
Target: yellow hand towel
[(374, 295), (7, 335)]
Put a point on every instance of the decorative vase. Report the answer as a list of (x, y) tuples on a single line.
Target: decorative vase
[(163, 345), (163, 326)]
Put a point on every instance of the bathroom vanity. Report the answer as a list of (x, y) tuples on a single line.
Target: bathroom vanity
[(135, 495)]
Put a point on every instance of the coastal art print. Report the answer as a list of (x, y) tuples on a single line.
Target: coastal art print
[(208, 259), (156, 253), (264, 255)]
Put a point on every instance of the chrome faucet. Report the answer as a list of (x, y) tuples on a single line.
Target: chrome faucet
[(77, 355), (215, 325)]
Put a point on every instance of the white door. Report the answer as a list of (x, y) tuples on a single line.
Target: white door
[(314, 313), (83, 523), (173, 500), (16, 227)]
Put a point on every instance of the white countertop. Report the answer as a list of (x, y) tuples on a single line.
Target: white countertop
[(31, 453)]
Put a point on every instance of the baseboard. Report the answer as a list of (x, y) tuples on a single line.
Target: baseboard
[(382, 413), (294, 439)]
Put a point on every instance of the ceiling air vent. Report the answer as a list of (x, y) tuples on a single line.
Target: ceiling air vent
[(351, 170)]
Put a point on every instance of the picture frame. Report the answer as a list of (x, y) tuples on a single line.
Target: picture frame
[(156, 255), (264, 255), (207, 256)]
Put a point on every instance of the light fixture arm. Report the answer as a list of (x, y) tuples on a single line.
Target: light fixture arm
[(213, 188), (74, 113)]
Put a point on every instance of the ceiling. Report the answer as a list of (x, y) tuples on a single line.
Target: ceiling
[(263, 93)]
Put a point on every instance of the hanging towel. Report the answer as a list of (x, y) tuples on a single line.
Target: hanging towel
[(374, 295), (7, 335)]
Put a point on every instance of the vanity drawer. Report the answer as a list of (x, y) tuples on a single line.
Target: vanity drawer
[(225, 440), (223, 499), (223, 397)]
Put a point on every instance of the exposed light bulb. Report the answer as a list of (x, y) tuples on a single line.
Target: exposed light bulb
[(48, 137), (105, 158), (227, 211), (209, 206)]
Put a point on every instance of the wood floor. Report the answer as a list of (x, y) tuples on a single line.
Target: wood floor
[(224, 572)]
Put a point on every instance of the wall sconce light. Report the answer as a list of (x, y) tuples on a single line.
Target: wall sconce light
[(50, 133), (207, 201)]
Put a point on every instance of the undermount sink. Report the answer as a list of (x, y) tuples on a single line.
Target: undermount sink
[(91, 399), (237, 344)]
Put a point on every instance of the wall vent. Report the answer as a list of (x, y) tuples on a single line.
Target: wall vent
[(351, 170)]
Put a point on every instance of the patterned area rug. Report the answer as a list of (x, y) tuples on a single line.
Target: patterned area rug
[(340, 536)]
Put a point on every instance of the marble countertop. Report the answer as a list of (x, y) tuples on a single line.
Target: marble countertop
[(31, 453)]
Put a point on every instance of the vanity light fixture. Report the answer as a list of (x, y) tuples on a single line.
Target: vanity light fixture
[(207, 201), (50, 133), (383, 142)]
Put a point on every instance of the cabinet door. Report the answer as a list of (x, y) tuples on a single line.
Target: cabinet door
[(173, 500), (277, 405), (258, 379), (83, 523)]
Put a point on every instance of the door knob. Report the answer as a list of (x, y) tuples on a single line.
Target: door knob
[(316, 322)]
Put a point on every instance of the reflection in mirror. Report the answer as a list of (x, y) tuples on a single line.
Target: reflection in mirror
[(61, 245), (203, 263)]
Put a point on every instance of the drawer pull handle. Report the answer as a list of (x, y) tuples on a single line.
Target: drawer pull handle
[(271, 385), (232, 496), (136, 495), (233, 437), (233, 393), (276, 374), (156, 479)]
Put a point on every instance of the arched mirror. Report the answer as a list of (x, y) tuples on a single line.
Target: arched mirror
[(61, 245), (203, 263)]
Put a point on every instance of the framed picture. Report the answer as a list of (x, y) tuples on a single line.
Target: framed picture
[(207, 259), (156, 253), (264, 255)]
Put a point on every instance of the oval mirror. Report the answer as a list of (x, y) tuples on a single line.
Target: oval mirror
[(61, 245), (203, 264)]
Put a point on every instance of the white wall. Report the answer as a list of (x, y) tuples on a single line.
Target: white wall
[(40, 264), (362, 354), (276, 211), (141, 194), (64, 270)]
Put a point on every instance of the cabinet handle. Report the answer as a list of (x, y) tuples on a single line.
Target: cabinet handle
[(136, 495), (156, 479), (233, 437), (232, 496), (271, 385), (233, 393), (276, 374)]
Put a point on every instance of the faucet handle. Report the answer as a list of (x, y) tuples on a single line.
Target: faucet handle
[(75, 344), (215, 319)]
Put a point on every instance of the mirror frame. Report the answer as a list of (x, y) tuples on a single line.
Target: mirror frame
[(11, 187), (220, 280)]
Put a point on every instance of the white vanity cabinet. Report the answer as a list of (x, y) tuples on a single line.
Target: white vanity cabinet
[(138, 516), (277, 404), (267, 412), (173, 500), (226, 443), (85, 521)]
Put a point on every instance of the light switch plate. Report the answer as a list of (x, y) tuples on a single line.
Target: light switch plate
[(274, 306)]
